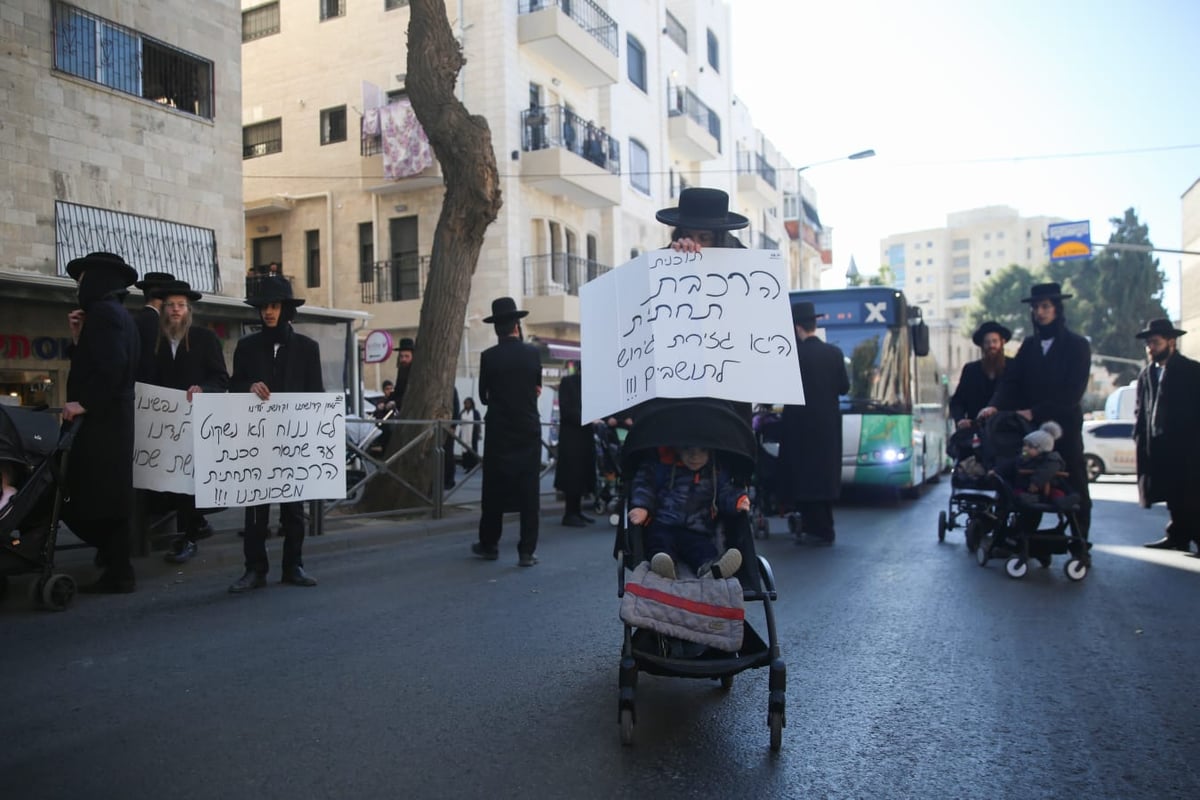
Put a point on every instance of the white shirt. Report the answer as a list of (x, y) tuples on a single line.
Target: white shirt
[(1046, 345)]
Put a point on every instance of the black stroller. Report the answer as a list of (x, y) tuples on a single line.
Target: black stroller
[(975, 450), (607, 440), (34, 449), (712, 424), (767, 431)]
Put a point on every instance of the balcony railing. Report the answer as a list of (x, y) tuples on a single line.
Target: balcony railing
[(767, 243), (559, 273), (682, 101), (391, 281), (587, 14), (753, 163), (676, 32), (556, 126)]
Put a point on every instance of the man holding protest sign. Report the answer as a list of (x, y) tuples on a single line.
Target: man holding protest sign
[(275, 359), (189, 359)]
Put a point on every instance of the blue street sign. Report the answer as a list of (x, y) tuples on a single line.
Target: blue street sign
[(1070, 240)]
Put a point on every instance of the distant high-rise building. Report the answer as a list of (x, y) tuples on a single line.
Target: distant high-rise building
[(1189, 278)]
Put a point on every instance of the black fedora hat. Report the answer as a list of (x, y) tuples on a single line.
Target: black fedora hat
[(1046, 291), (504, 309), (1160, 327), (702, 209), (273, 289), (170, 288), (991, 326), (106, 261), (805, 311), (406, 343), (152, 279)]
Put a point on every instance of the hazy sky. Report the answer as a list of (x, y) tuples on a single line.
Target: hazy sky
[(961, 99)]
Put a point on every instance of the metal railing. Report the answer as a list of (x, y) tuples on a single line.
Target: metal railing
[(676, 32), (558, 274), (556, 126), (591, 17), (398, 279), (682, 101), (754, 163)]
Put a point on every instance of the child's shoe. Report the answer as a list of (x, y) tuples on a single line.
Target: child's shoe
[(662, 564), (724, 567)]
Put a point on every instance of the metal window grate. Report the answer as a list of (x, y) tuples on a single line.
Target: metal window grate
[(260, 21), (262, 139), (332, 8)]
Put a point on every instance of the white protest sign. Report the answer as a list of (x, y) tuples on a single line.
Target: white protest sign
[(162, 440), (712, 324), (250, 452)]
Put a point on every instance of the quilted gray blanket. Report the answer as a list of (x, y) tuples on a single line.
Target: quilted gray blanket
[(709, 611)]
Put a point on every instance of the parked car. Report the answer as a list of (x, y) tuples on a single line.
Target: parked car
[(1108, 448)]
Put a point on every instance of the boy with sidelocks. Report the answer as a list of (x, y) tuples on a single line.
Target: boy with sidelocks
[(678, 497)]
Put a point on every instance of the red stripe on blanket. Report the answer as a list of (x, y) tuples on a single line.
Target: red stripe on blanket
[(722, 612)]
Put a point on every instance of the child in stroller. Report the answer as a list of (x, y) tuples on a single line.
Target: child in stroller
[(976, 450)]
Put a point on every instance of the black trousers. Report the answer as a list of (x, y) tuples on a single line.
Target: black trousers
[(188, 520), (291, 527), (510, 489), (110, 537), (816, 517), (1184, 526)]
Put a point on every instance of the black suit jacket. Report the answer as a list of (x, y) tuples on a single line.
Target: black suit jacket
[(147, 320), (1168, 464), (198, 361), (509, 374), (974, 391), (295, 368), (810, 449)]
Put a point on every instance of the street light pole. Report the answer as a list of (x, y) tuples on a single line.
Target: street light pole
[(861, 154)]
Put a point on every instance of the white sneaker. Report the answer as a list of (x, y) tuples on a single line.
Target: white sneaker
[(724, 567), (662, 564)]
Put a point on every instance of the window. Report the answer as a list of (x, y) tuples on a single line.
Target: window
[(636, 56), (95, 49), (962, 261), (388, 5), (929, 261), (260, 21), (366, 252), (262, 139), (917, 246), (987, 237), (961, 244), (332, 8), (333, 125), (676, 32), (714, 51), (312, 258), (639, 166), (999, 234), (929, 244)]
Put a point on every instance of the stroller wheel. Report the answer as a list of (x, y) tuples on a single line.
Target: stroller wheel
[(1075, 569), (58, 592), (775, 722), (599, 506), (941, 526), (1016, 567), (626, 726), (982, 552), (726, 682)]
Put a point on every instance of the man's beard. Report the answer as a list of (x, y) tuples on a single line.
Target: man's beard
[(177, 330), (993, 364)]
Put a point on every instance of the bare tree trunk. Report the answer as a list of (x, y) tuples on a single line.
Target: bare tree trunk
[(462, 143)]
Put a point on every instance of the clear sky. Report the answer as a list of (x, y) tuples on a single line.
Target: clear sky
[(963, 101)]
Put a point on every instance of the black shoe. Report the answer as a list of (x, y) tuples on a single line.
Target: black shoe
[(296, 576), (574, 521), (527, 560), (481, 551), (109, 583), (1167, 543), (250, 580), (204, 531), (181, 552)]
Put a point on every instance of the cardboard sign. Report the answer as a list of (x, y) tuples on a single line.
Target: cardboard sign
[(162, 440), (250, 452), (712, 324)]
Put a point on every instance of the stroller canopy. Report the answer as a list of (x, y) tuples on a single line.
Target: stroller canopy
[(694, 422), (27, 437)]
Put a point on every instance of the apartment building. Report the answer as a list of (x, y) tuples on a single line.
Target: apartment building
[(1189, 277), (940, 268), (600, 113)]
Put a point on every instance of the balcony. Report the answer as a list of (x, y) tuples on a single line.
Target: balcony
[(694, 128), (757, 180), (566, 156), (552, 284), (576, 36), (393, 281), (766, 242), (371, 169)]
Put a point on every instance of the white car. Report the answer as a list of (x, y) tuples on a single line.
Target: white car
[(1108, 448)]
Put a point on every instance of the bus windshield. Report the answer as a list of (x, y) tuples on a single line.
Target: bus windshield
[(878, 366)]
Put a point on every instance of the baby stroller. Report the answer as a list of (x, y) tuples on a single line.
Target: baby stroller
[(767, 430), (608, 466), (34, 448), (976, 450), (711, 424)]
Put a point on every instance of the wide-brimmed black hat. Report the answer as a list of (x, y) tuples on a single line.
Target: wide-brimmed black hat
[(805, 311), (991, 326), (105, 261), (504, 309), (1046, 291), (406, 343), (702, 209), (273, 289), (169, 288), (1160, 327), (152, 279)]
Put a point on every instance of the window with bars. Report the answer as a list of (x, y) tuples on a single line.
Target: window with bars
[(332, 8), (262, 138), (92, 48), (260, 21), (366, 252), (388, 5), (333, 125)]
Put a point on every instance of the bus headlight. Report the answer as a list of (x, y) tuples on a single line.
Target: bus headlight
[(888, 455)]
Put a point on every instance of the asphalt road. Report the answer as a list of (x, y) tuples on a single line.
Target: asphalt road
[(416, 671)]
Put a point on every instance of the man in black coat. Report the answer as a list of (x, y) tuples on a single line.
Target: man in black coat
[(977, 382), (188, 358), (148, 320), (275, 359), (98, 498), (810, 448), (575, 468), (1046, 381), (510, 382), (1167, 431)]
